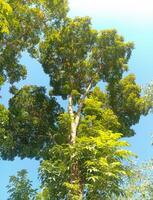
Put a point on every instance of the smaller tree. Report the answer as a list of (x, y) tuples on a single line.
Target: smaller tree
[(20, 187), (140, 184)]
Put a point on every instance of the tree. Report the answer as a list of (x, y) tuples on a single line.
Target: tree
[(20, 187), (139, 185), (80, 146), (76, 59)]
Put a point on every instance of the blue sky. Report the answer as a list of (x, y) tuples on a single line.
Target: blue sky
[(134, 20)]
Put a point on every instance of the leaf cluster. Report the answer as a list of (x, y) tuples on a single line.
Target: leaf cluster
[(32, 122)]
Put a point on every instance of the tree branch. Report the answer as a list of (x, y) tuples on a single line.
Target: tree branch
[(77, 118)]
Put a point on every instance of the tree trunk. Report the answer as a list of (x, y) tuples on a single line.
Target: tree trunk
[(75, 119), (77, 193), (73, 132), (75, 178)]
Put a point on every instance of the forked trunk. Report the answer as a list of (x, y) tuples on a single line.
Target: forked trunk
[(75, 179)]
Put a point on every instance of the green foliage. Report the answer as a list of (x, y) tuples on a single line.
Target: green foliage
[(97, 114), (4, 135), (62, 136), (20, 187), (5, 11), (32, 123), (43, 195), (100, 167), (3, 120), (65, 51), (26, 24), (126, 102), (82, 55), (85, 56)]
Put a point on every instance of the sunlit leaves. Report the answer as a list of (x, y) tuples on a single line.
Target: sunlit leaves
[(5, 11), (98, 152), (100, 167), (97, 114)]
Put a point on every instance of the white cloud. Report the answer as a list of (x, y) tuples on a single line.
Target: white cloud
[(125, 9)]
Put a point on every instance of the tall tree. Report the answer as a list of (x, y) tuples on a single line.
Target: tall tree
[(80, 146), (76, 57), (20, 187)]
